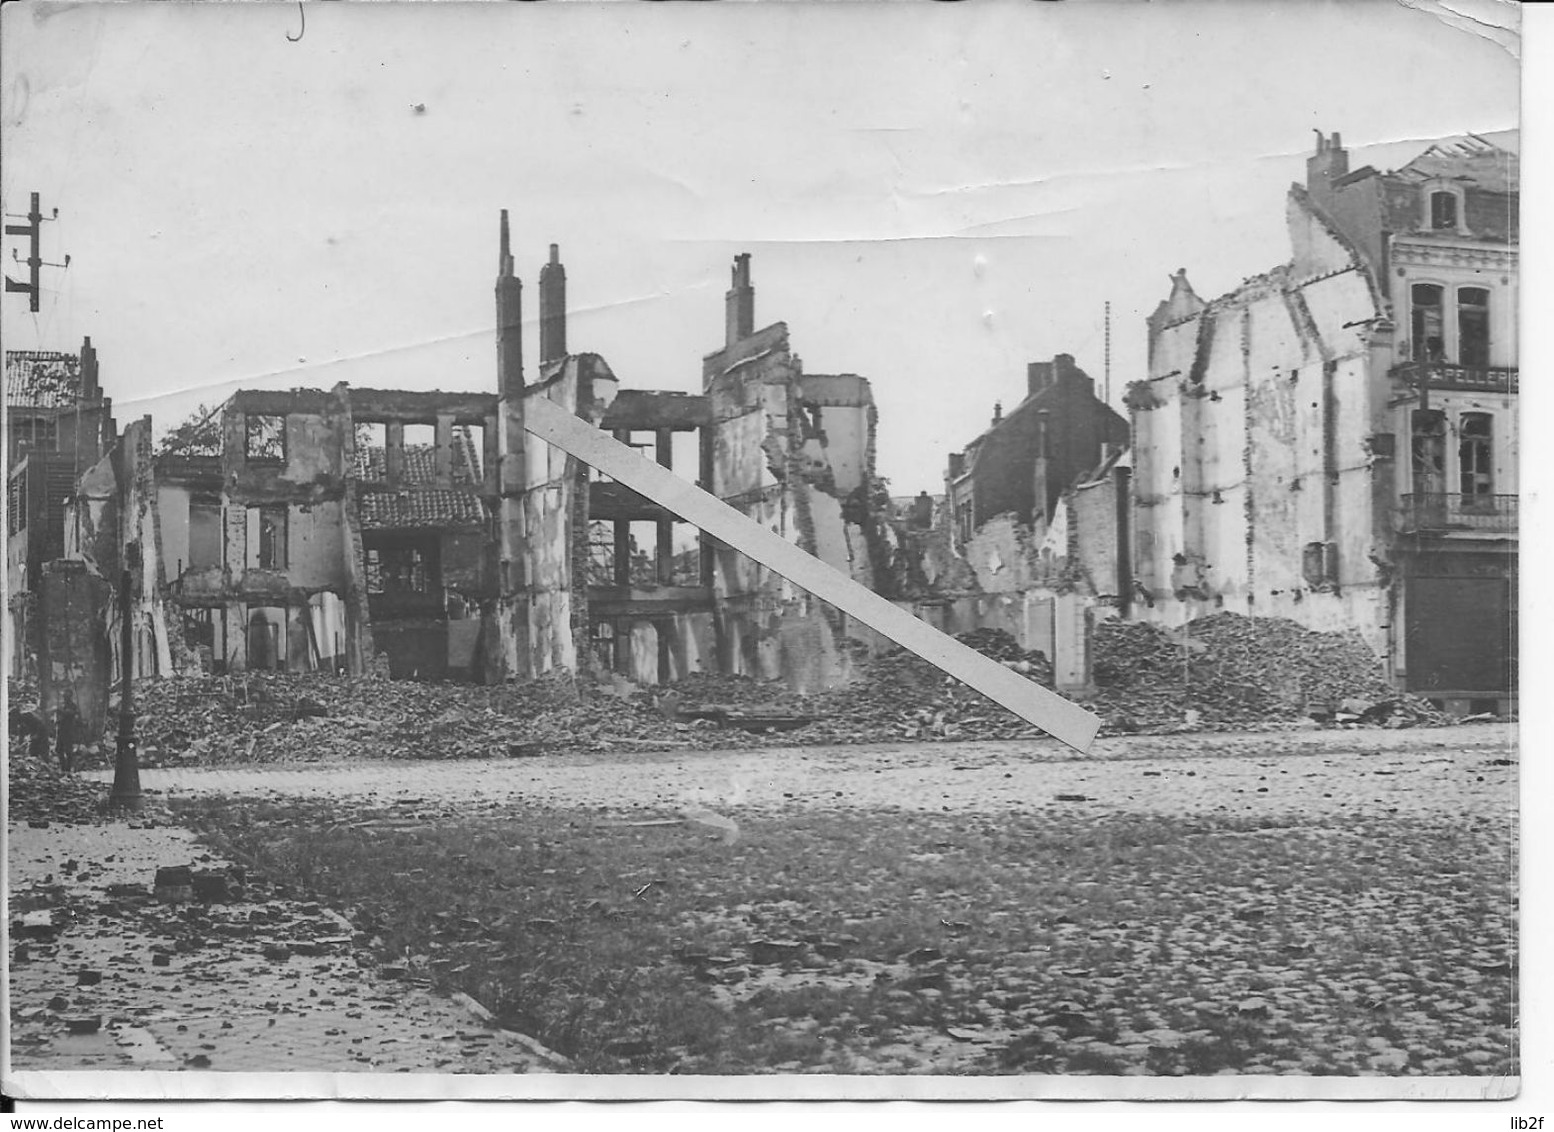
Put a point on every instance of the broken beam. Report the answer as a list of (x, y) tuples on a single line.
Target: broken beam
[(1058, 717)]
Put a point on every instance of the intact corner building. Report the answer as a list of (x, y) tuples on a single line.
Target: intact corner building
[(1335, 441)]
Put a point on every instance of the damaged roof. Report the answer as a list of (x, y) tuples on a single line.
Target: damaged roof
[(42, 379), (396, 510), (1493, 168), (419, 462)]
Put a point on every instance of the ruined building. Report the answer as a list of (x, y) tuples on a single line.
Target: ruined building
[(58, 424), (428, 533), (1027, 458), (1335, 441), (1003, 550)]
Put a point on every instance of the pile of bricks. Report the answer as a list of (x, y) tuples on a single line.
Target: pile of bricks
[(1234, 671)]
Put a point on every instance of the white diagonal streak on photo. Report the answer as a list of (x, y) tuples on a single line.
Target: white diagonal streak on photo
[(1058, 717)]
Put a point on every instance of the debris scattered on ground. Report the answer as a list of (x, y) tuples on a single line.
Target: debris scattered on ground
[(1221, 672), (1234, 671)]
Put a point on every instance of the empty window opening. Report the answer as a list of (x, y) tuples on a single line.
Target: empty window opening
[(38, 433), (643, 548), (267, 535), (266, 437), (469, 453), (1429, 453), (685, 450), (199, 630), (685, 564), (601, 552), (1476, 455), (398, 569), (266, 637), (204, 533), (16, 503), (963, 526), (1429, 341), (420, 449), (1473, 326), (371, 446), (1443, 211)]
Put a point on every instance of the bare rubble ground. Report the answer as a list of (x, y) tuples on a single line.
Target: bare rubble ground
[(1297, 902), (106, 976)]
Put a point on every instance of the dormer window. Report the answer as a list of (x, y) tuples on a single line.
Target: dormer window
[(1443, 210)]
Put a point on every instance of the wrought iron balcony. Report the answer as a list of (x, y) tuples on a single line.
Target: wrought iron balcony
[(1449, 375), (1452, 511)]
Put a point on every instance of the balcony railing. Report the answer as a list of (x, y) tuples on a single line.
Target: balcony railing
[(1451, 511), (1449, 375)]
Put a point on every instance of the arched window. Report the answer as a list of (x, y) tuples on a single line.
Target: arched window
[(1429, 329), (1473, 326), (1443, 211), (1476, 456)]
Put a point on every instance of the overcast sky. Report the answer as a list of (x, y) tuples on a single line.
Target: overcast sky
[(933, 195)]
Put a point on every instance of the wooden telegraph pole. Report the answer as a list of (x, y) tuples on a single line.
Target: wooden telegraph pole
[(33, 230)]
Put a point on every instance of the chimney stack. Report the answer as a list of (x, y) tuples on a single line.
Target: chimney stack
[(1327, 164), (90, 390), (553, 308), (739, 302), (1038, 375), (998, 412), (509, 320)]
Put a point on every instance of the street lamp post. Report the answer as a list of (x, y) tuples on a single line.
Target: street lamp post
[(125, 795)]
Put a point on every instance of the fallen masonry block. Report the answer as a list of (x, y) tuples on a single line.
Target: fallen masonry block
[(88, 978), (277, 952), (211, 886), (766, 951), (38, 925), (628, 1047), (929, 979), (85, 1024), (174, 884)]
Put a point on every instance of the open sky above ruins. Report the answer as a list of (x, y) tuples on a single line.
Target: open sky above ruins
[(933, 195)]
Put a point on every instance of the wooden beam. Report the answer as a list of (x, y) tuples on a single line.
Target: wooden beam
[(1060, 718)]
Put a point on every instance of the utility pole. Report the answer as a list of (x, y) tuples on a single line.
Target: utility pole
[(33, 230), (126, 767)]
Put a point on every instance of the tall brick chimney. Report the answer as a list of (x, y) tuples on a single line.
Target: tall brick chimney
[(90, 389), (509, 320), (553, 308), (1038, 375), (1327, 164), (739, 303)]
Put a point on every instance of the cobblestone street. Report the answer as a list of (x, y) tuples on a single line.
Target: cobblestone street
[(226, 1001), (1436, 770)]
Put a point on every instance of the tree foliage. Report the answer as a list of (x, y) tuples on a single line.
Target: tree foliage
[(199, 435)]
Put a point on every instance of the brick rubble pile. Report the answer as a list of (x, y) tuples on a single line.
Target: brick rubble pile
[(1225, 672), (1234, 671)]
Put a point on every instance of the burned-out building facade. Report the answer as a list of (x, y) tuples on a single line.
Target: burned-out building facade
[(1335, 441), (428, 535)]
